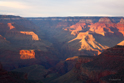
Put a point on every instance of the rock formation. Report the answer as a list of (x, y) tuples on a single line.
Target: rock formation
[(120, 26), (88, 42), (22, 35), (34, 36), (10, 26), (76, 28), (88, 33), (69, 37), (27, 54), (105, 68), (121, 43), (72, 58), (108, 63)]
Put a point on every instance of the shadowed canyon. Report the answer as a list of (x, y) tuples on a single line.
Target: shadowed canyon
[(61, 49)]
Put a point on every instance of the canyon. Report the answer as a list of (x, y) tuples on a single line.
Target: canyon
[(62, 49)]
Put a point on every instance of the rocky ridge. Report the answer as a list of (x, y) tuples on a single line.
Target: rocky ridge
[(105, 68), (86, 33)]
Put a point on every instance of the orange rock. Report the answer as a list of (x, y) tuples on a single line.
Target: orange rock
[(10, 26), (34, 36), (121, 43), (74, 29), (72, 58), (122, 21), (120, 26), (101, 28), (27, 54), (88, 42)]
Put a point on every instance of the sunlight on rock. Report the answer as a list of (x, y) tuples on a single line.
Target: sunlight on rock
[(121, 43), (27, 54), (72, 58), (10, 26), (34, 36)]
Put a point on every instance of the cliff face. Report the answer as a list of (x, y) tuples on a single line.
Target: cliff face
[(84, 35), (74, 29), (34, 36), (17, 20), (105, 68), (19, 39), (121, 43), (18, 31), (24, 44), (88, 34), (27, 54), (108, 63), (10, 26), (88, 42), (74, 75), (10, 31), (120, 26), (21, 35)]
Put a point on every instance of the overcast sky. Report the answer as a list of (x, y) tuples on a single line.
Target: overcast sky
[(49, 8)]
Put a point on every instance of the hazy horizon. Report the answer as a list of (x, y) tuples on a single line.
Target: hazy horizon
[(56, 16), (65, 8)]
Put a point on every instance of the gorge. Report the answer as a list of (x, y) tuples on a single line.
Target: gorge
[(61, 49)]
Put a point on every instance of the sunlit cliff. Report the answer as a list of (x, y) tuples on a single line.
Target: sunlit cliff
[(27, 54), (34, 36)]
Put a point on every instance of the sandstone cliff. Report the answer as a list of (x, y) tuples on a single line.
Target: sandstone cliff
[(120, 26), (89, 34), (27, 54), (21, 35), (121, 43), (88, 42), (10, 26), (105, 68), (108, 63), (34, 36)]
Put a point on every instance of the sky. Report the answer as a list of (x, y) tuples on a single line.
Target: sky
[(62, 8)]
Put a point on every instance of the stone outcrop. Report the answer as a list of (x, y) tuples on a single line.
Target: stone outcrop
[(121, 43), (22, 35), (34, 36), (10, 26), (72, 58), (74, 29), (73, 76), (87, 33), (88, 42), (27, 54), (99, 69), (108, 63), (103, 27), (120, 26)]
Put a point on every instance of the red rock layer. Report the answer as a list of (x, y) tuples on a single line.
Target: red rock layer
[(87, 33), (10, 26), (120, 26), (27, 54), (111, 61)]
